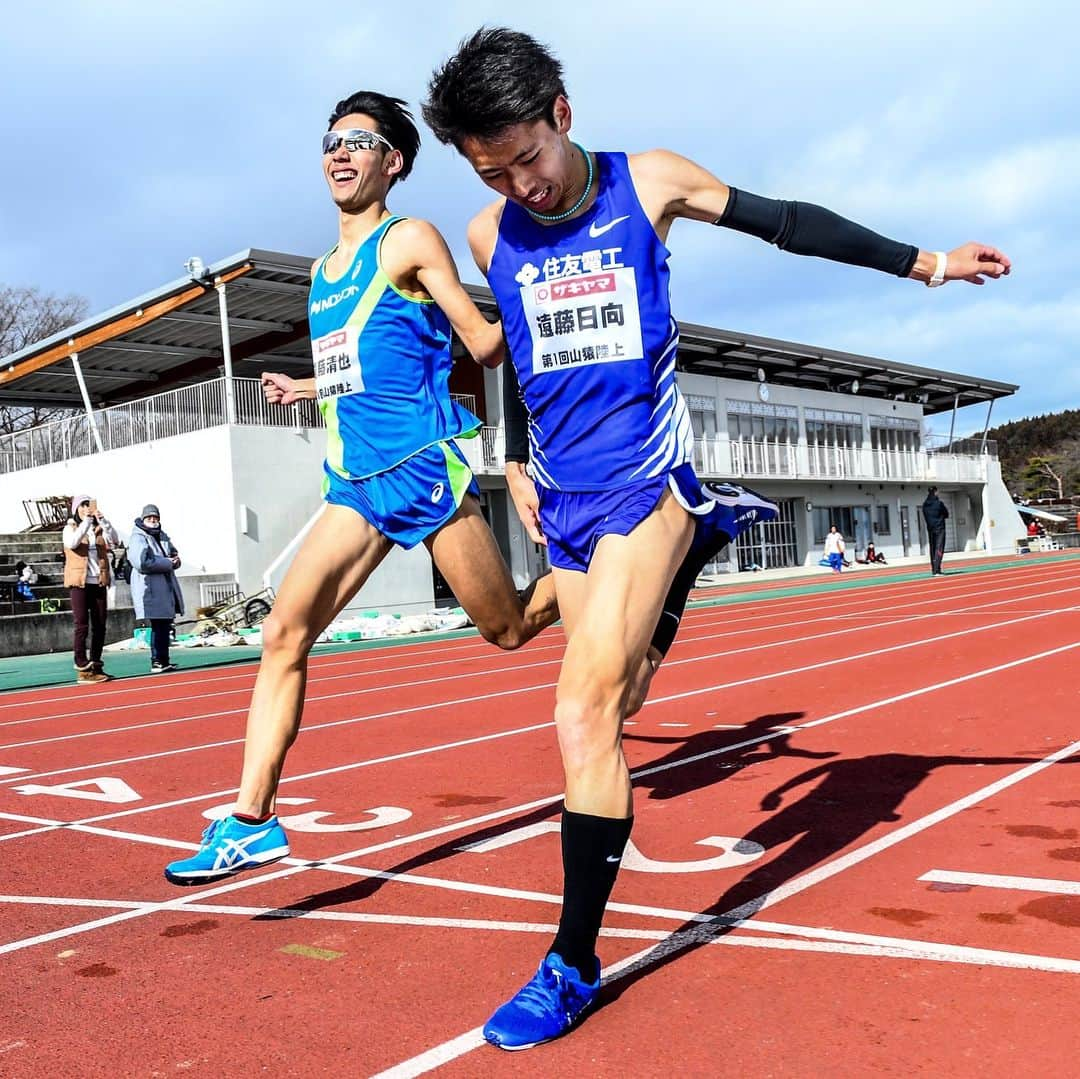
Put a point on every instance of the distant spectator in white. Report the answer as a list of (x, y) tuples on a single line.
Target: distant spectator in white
[(834, 549), (155, 591)]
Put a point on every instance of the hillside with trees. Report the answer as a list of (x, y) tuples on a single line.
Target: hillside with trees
[(1040, 457)]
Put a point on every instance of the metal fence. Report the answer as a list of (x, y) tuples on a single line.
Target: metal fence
[(176, 412)]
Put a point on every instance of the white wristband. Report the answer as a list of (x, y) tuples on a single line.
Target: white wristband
[(938, 276)]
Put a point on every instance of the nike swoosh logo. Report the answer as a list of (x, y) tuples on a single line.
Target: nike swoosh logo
[(612, 858), (599, 230)]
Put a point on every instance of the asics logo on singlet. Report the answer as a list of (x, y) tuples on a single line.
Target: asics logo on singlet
[(437, 492), (599, 230), (329, 302)]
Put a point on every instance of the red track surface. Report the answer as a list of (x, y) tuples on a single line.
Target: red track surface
[(853, 742)]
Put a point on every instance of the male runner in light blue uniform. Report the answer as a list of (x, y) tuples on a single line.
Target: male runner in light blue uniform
[(382, 305), (574, 251)]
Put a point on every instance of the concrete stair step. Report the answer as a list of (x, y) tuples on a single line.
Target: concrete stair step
[(8, 609), (38, 559)]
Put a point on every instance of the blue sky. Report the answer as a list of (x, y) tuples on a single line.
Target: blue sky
[(136, 135)]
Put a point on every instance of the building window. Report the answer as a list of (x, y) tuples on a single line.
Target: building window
[(759, 422), (771, 545), (882, 523), (841, 516), (895, 434)]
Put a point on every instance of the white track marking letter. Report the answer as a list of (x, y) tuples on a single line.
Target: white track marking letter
[(109, 789)]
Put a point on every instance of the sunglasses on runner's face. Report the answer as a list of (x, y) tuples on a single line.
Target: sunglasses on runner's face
[(355, 138)]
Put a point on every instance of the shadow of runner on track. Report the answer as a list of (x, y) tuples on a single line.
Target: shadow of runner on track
[(853, 796), (667, 777)]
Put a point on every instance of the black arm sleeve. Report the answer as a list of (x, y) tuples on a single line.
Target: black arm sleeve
[(515, 416), (805, 229)]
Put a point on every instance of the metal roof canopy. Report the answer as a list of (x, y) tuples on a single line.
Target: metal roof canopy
[(174, 337)]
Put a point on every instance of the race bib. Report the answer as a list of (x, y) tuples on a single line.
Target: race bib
[(337, 364), (581, 320)]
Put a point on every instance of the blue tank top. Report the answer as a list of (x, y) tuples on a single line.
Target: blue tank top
[(587, 314), (382, 367)]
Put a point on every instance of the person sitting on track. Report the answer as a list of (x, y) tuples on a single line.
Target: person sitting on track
[(873, 556), (382, 305), (575, 252)]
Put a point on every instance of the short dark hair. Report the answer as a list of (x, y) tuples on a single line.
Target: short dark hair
[(497, 78), (393, 120), (932, 491)]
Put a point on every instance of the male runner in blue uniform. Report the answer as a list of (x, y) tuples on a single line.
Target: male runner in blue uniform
[(382, 305), (575, 253)]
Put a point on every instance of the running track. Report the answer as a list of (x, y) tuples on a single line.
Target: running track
[(856, 853)]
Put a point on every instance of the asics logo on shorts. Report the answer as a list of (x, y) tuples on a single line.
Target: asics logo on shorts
[(437, 492)]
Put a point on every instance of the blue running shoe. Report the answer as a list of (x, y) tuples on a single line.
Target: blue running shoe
[(543, 1008), (230, 846)]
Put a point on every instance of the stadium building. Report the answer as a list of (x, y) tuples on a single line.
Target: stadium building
[(170, 411)]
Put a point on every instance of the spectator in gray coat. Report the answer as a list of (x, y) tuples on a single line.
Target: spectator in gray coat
[(155, 590)]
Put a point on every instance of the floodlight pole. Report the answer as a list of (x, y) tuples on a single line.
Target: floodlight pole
[(86, 402), (226, 351)]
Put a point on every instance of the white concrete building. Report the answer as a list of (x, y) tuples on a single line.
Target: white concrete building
[(172, 413)]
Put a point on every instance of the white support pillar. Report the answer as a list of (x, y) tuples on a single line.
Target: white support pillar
[(86, 402), (952, 422), (226, 351), (986, 428)]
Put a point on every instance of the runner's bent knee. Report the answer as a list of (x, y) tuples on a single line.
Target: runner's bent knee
[(282, 635)]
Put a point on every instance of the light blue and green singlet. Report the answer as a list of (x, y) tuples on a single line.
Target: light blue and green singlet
[(382, 367)]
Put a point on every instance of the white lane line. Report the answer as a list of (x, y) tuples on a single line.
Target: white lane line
[(899, 835), (857, 657), (636, 774), (996, 880), (471, 675), (308, 729), (313, 727), (916, 948), (297, 778), (473, 1039), (798, 885), (456, 652), (72, 901), (135, 837), (468, 1041), (806, 937), (30, 820), (187, 698)]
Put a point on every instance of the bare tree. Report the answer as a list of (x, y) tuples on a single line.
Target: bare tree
[(1038, 470), (28, 315)]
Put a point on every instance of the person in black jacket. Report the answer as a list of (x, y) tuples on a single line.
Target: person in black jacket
[(935, 513)]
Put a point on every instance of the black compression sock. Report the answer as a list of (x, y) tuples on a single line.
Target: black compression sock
[(247, 818), (592, 848), (679, 592)]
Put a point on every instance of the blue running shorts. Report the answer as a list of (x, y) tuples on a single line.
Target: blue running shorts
[(408, 502), (574, 522)]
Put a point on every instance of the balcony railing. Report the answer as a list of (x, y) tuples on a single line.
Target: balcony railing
[(176, 412), (195, 408)]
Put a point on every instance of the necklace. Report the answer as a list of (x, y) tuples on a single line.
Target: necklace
[(580, 202)]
